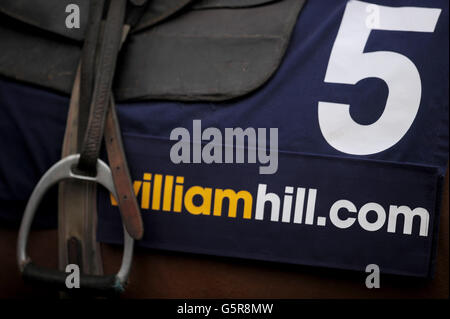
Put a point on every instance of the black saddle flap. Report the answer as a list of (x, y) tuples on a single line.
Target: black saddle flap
[(207, 50), (207, 4)]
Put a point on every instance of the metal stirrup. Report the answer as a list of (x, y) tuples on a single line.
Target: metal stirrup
[(60, 171)]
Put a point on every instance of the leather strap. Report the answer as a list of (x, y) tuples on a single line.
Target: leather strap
[(107, 58), (128, 205), (77, 205), (115, 32), (88, 55), (77, 200)]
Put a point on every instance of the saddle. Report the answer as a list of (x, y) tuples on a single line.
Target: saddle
[(125, 51)]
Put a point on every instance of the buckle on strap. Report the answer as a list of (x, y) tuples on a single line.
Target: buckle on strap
[(62, 170)]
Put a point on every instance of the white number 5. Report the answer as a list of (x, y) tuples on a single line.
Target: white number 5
[(348, 65)]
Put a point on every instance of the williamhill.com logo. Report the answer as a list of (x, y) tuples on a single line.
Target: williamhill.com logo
[(168, 194)]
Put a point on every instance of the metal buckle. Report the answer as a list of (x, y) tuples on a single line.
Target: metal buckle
[(60, 171)]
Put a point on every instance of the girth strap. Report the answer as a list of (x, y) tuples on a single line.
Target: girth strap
[(77, 205)]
